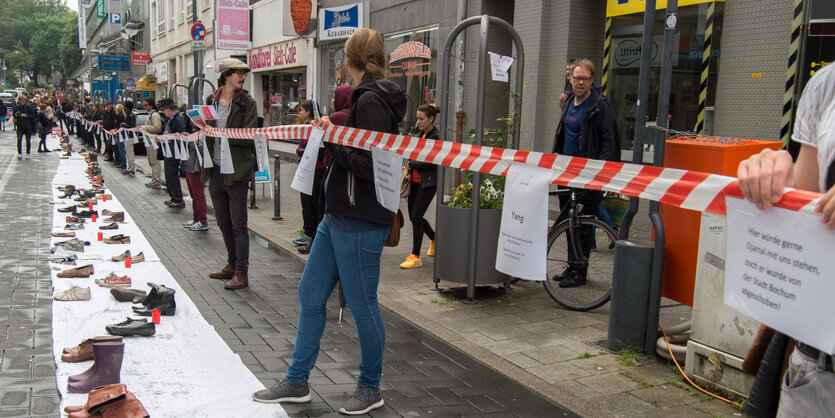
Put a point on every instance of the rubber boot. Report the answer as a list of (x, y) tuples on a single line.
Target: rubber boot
[(89, 372), (108, 368)]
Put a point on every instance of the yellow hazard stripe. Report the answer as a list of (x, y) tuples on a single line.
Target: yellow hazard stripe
[(607, 56), (791, 73), (700, 119)]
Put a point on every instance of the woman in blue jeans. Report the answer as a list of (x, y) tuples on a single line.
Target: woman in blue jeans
[(350, 240)]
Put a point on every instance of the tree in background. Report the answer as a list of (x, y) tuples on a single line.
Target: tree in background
[(44, 33)]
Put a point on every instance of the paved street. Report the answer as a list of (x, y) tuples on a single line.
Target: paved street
[(27, 367), (422, 374)]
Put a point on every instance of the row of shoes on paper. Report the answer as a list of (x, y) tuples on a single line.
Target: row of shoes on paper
[(108, 397)]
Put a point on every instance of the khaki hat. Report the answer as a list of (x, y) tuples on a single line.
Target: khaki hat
[(232, 64)]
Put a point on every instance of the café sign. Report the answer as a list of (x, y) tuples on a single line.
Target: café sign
[(277, 56)]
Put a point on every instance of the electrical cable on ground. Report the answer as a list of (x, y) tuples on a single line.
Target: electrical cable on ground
[(687, 378)]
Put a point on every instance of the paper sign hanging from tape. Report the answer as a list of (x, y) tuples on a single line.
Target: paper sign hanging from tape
[(261, 153), (303, 179), (226, 165), (523, 237), (387, 177)]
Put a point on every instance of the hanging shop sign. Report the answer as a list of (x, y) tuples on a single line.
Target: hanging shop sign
[(627, 7), (300, 18), (340, 22), (407, 60), (233, 24), (101, 10), (277, 56), (140, 57), (82, 26)]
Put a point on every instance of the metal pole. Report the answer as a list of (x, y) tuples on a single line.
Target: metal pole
[(252, 204), (641, 113), (277, 188), (198, 62)]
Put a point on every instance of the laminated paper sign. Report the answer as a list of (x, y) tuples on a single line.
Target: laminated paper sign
[(523, 237), (226, 165), (779, 271), (303, 179), (387, 177)]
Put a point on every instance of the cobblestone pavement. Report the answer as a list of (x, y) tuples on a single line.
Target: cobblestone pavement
[(27, 367), (522, 332), (423, 375)]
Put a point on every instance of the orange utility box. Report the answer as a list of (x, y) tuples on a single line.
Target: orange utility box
[(681, 226)]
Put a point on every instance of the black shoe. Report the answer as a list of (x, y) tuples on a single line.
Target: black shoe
[(561, 276), (87, 213), (68, 209), (131, 326), (175, 205), (123, 294), (573, 279), (305, 249)]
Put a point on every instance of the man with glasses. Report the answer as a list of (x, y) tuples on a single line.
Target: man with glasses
[(25, 117), (586, 129)]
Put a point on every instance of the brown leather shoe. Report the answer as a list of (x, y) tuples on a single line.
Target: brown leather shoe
[(63, 234), (239, 281), (84, 271), (116, 217), (117, 239), (227, 273), (84, 352)]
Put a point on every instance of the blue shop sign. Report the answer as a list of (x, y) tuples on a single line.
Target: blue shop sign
[(340, 22)]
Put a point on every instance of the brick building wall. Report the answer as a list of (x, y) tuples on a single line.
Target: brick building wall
[(755, 39)]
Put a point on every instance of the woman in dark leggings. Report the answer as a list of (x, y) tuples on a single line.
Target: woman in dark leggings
[(46, 127), (422, 191)]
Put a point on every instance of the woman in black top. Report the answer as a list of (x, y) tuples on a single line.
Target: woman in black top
[(44, 128), (422, 190)]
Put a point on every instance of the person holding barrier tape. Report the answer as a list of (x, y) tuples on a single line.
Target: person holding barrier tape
[(809, 381), (349, 241)]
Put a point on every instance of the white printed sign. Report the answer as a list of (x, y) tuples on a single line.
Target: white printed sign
[(499, 64), (523, 237), (777, 272), (303, 179), (261, 151), (387, 177), (226, 164)]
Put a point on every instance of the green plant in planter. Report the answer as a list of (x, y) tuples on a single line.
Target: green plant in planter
[(491, 193)]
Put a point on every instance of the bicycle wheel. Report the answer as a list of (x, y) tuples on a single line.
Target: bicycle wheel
[(599, 266)]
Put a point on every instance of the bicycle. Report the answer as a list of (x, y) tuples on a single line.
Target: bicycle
[(565, 253)]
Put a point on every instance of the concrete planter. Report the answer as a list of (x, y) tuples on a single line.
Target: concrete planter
[(453, 245)]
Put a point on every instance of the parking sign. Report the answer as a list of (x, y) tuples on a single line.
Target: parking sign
[(116, 18)]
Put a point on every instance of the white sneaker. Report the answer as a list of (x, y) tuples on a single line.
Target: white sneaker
[(199, 226), (189, 224), (27, 156)]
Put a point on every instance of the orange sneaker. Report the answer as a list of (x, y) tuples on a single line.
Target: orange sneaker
[(431, 251), (411, 262)]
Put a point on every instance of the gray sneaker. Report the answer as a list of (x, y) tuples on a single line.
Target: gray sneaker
[(283, 392), (199, 226), (363, 400)]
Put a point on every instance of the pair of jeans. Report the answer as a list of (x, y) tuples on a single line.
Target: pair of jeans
[(153, 162), (196, 189), (354, 259), (807, 388), (590, 199), (130, 158), (172, 179), (20, 134), (419, 200), (120, 146), (229, 203)]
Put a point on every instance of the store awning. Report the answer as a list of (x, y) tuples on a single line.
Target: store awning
[(146, 84)]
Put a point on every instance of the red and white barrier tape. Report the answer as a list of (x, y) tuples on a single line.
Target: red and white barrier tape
[(681, 188)]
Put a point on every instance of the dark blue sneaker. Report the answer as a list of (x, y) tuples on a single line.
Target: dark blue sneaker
[(283, 392)]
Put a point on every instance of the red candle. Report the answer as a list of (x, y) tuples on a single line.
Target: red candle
[(100, 237), (127, 262)]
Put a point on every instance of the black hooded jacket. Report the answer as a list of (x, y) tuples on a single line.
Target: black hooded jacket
[(378, 105), (598, 133)]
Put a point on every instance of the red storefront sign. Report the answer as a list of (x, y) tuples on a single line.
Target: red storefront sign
[(140, 57)]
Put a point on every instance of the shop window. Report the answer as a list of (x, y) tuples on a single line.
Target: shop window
[(687, 67), (413, 63), (284, 90), (335, 74)]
